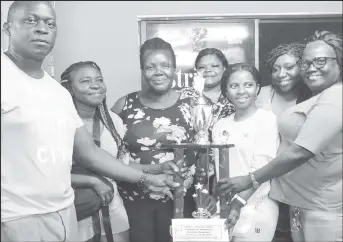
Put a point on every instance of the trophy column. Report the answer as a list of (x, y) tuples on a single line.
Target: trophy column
[(178, 192), (224, 170), (201, 182)]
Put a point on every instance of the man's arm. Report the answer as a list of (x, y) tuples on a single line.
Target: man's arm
[(82, 181), (87, 153)]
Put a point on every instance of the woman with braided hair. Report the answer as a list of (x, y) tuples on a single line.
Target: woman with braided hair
[(85, 83), (287, 89)]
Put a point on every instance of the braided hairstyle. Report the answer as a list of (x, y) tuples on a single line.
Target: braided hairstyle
[(101, 110), (296, 49)]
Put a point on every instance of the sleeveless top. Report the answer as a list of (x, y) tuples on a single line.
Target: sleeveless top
[(146, 127), (265, 98)]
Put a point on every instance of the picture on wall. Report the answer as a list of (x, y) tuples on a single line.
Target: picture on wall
[(242, 39), (234, 39)]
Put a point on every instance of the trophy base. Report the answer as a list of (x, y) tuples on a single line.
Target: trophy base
[(202, 139), (202, 142), (201, 213)]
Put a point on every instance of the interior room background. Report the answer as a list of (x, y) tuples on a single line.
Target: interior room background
[(108, 33)]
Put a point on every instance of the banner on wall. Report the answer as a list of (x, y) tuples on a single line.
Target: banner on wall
[(235, 39)]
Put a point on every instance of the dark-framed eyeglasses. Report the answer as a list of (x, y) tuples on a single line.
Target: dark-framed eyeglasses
[(318, 63)]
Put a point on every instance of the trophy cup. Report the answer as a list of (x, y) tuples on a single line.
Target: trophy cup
[(201, 113), (201, 228), (201, 117)]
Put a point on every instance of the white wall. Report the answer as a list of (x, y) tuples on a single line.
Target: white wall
[(107, 32), (4, 9)]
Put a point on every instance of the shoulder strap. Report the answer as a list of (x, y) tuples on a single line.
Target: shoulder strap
[(107, 223), (105, 209), (96, 131)]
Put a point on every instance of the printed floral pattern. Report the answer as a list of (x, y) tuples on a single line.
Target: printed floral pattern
[(221, 109), (147, 127)]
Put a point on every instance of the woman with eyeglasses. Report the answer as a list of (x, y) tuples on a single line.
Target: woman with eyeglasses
[(307, 173)]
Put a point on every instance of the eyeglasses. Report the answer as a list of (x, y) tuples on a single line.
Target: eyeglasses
[(318, 63)]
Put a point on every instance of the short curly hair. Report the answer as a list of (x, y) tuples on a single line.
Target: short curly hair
[(332, 39)]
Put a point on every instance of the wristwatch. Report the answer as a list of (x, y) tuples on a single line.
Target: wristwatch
[(254, 182), (141, 181), (241, 200)]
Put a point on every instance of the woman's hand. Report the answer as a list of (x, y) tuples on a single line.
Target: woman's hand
[(211, 204), (103, 190), (170, 168), (230, 186), (160, 184), (200, 172), (233, 217)]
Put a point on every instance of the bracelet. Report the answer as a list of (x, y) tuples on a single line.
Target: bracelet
[(141, 181), (241, 200), (254, 182)]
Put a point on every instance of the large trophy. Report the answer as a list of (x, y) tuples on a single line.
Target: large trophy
[(202, 228)]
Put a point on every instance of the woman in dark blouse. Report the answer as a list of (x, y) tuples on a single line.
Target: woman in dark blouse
[(156, 115)]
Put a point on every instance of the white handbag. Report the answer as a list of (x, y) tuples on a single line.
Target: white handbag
[(246, 221)]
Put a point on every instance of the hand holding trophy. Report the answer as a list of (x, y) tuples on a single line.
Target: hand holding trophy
[(201, 228)]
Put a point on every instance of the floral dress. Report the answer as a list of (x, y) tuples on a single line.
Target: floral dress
[(146, 127), (223, 108)]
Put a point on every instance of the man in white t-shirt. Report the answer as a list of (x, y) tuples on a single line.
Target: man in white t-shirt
[(40, 132)]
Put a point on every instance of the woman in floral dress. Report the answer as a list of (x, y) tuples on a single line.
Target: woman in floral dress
[(156, 115)]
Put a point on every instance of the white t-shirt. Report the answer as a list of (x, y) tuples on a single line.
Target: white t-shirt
[(38, 124), (256, 141)]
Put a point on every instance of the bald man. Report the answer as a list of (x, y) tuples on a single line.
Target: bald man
[(40, 133)]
